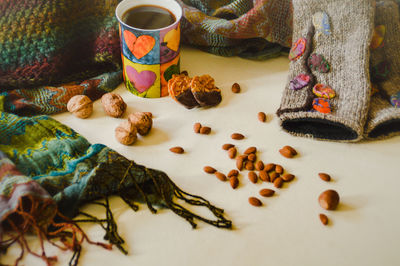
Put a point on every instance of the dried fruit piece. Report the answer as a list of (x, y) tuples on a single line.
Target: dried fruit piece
[(220, 176), (237, 136), (264, 176), (329, 199), (287, 177), (234, 182), (232, 152), (278, 182), (113, 104), (204, 91), (126, 133), (262, 117), (233, 172), (197, 127), (250, 150), (325, 177), (235, 88), (177, 149), (259, 165), (205, 130), (266, 192), (227, 146), (80, 105), (209, 169), (179, 89), (324, 219), (252, 177), (255, 202)]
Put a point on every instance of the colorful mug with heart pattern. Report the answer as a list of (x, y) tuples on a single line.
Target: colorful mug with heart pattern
[(150, 56)]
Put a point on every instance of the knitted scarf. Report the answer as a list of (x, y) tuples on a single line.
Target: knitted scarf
[(52, 50), (47, 171)]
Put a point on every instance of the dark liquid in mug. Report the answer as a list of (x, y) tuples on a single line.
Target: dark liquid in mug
[(148, 17)]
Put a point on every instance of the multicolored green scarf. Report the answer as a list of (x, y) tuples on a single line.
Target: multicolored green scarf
[(48, 171)]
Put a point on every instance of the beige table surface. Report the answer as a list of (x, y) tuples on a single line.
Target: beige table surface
[(365, 230)]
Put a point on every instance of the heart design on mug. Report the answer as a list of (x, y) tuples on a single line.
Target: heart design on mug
[(139, 46), (172, 39), (143, 80)]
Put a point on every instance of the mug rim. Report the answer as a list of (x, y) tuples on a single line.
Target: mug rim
[(159, 3)]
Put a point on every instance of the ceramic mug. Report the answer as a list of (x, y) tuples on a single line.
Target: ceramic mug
[(149, 56)]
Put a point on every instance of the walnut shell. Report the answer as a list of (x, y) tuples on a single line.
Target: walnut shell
[(142, 122), (113, 104), (125, 133), (80, 105)]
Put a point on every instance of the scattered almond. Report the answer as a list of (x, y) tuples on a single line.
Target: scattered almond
[(197, 127), (255, 202), (227, 146), (205, 130), (249, 165), (278, 182), (278, 169), (235, 88), (252, 177), (250, 150), (287, 177), (232, 152), (264, 176), (325, 177), (259, 165), (239, 163), (262, 117), (266, 192), (269, 167), (234, 182), (177, 149), (233, 172), (288, 152), (209, 169), (273, 176), (252, 157), (237, 136), (220, 176), (324, 219)]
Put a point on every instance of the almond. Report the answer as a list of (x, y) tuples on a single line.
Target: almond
[(269, 167), (259, 165), (255, 202), (177, 149), (262, 117), (279, 169), (249, 165), (287, 177), (278, 182), (264, 176), (266, 192), (209, 169), (235, 88), (273, 176), (250, 150), (233, 172), (324, 219), (252, 177), (227, 146), (292, 150), (239, 163), (220, 176), (232, 152), (325, 177), (237, 136), (234, 182), (252, 157), (205, 130), (197, 127)]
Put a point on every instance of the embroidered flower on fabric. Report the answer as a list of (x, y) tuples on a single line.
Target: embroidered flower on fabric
[(299, 82), (298, 49), (318, 63), (321, 23), (323, 91), (321, 105)]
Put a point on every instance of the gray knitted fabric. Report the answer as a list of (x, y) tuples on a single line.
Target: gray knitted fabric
[(384, 118), (346, 49)]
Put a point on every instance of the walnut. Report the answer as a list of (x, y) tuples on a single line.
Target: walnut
[(126, 132), (80, 105), (113, 104), (142, 122)]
